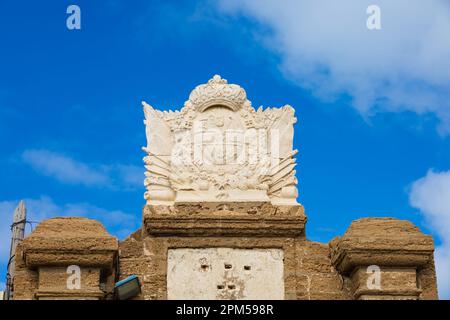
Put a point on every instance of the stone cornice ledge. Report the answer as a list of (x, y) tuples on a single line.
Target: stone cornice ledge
[(69, 294), (233, 220), (377, 294), (347, 259), (382, 242), (38, 258), (65, 241)]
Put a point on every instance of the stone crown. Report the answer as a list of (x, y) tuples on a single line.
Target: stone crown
[(217, 92)]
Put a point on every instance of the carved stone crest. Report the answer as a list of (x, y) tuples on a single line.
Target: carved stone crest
[(219, 148)]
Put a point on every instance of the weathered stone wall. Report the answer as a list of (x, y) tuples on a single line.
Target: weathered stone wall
[(26, 280), (311, 270), (308, 272), (154, 282)]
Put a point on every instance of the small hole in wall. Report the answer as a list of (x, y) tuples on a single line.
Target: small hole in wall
[(220, 287), (231, 287), (247, 268), (204, 267), (228, 266)]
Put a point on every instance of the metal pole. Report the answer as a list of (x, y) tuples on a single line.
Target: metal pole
[(18, 233)]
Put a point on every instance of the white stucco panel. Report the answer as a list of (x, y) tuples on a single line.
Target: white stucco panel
[(225, 273)]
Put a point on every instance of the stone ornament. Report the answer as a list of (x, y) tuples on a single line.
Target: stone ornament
[(218, 148)]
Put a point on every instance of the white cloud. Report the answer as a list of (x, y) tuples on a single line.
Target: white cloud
[(129, 175), (63, 168), (325, 47), (68, 170), (431, 194), (117, 222)]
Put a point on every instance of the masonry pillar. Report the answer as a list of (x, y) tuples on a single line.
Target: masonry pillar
[(383, 258), (66, 258)]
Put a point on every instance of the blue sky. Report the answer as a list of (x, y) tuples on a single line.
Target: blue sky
[(373, 118)]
